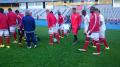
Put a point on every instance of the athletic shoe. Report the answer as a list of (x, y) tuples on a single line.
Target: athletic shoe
[(96, 53), (19, 43), (50, 43), (94, 46), (35, 46), (29, 47), (82, 50), (62, 37), (7, 46), (107, 48), (2, 46), (75, 42), (15, 41)]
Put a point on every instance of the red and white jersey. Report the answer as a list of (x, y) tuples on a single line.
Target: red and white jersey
[(86, 23), (94, 25), (3, 21), (12, 17), (60, 19), (102, 20), (19, 18), (51, 19), (75, 20)]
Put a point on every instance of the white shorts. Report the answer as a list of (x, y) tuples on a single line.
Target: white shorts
[(4, 32), (51, 30), (95, 36), (102, 34), (61, 27), (55, 28), (12, 28), (66, 26)]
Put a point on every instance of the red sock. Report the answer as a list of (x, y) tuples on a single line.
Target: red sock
[(62, 33), (1, 41), (57, 37), (105, 42), (93, 41), (86, 43), (51, 40), (97, 46), (14, 35), (7, 40)]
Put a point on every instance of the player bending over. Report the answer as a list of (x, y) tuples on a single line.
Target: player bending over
[(53, 30)]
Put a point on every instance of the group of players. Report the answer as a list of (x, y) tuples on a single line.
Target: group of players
[(94, 27), (8, 22)]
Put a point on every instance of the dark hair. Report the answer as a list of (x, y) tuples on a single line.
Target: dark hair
[(9, 9), (73, 8), (59, 13), (92, 9), (96, 9), (99, 11), (51, 11), (1, 10), (16, 11), (83, 11)]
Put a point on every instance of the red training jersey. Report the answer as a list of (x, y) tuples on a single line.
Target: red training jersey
[(12, 17), (3, 21), (51, 19), (75, 20)]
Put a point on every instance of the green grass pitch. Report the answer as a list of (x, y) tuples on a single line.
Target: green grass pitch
[(62, 55)]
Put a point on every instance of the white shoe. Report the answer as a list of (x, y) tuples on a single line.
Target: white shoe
[(2, 46), (15, 41), (107, 48), (82, 50), (94, 46), (35, 46), (96, 53), (7, 46), (29, 47), (20, 43)]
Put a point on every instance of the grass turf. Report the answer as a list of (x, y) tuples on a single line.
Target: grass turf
[(62, 55)]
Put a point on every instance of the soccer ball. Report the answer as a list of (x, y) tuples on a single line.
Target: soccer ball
[(54, 40)]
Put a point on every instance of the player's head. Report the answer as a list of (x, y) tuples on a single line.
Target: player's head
[(27, 12), (51, 11), (59, 13), (9, 9), (99, 11), (1, 10), (16, 11), (84, 12), (92, 9), (74, 10), (47, 11)]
